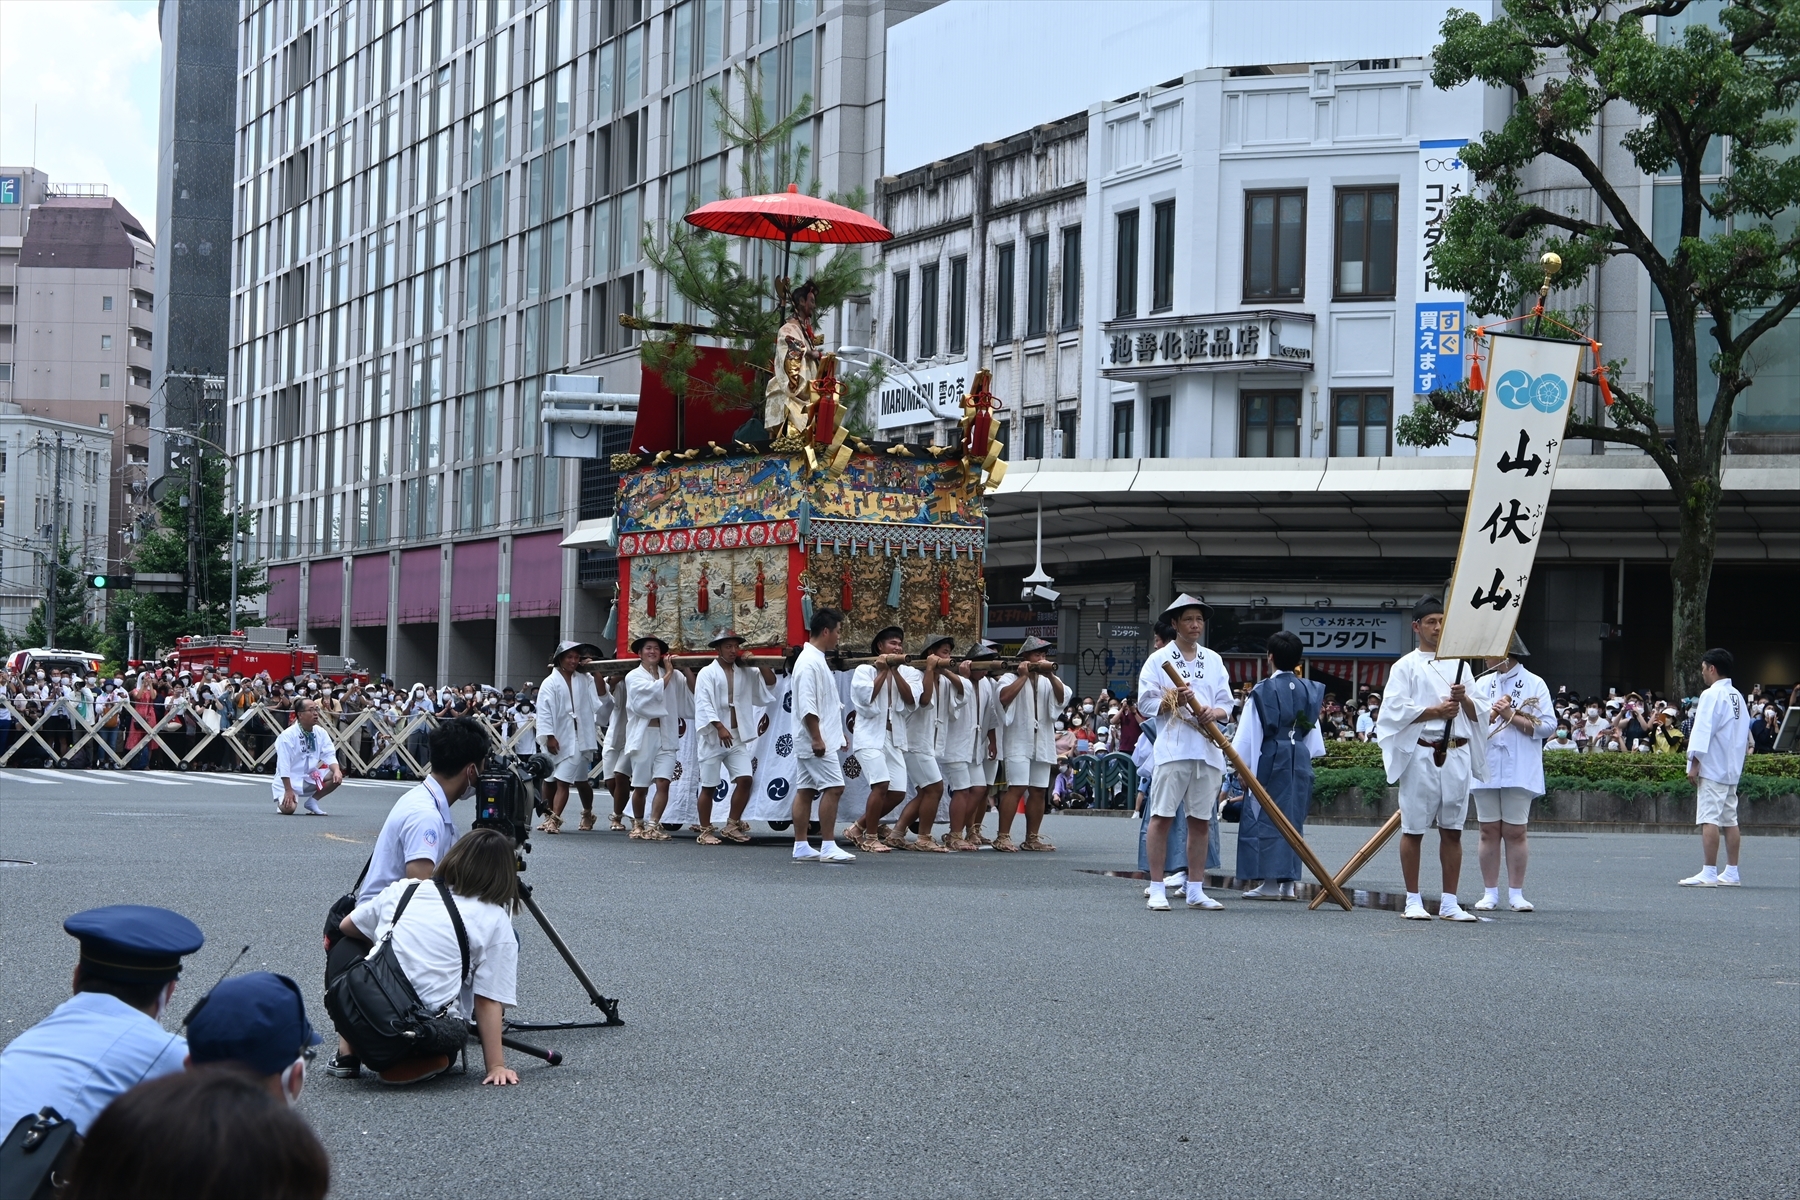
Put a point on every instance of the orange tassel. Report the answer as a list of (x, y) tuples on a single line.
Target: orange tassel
[(1605, 387), (1475, 380)]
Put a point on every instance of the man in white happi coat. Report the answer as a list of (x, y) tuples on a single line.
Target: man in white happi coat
[(1716, 749), (567, 706), (1520, 715), (883, 692), (1434, 745), (306, 763), (972, 749), (941, 701), (613, 777), (658, 700), (1189, 768), (729, 697), (1031, 699), (818, 737)]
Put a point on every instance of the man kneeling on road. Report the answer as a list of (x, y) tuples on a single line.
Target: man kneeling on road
[(305, 763), (415, 837)]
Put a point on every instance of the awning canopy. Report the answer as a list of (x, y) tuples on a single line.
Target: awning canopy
[(594, 534)]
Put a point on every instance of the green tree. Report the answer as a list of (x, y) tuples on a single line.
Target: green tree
[(163, 616), (1731, 277), (742, 306), (73, 629)]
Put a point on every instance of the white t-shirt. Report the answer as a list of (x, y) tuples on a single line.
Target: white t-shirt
[(1721, 735), (425, 945), (418, 826)]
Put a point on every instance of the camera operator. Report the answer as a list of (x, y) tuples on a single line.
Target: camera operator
[(482, 874), (415, 837)]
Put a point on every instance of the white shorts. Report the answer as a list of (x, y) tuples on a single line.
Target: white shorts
[(1432, 796), (1189, 781), (990, 771), (732, 762), (573, 767), (647, 766), (922, 770), (957, 775), (817, 772), (1511, 805), (1021, 773), (1716, 804), (884, 764), (609, 761)]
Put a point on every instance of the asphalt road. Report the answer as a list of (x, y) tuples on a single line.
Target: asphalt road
[(1005, 1025)]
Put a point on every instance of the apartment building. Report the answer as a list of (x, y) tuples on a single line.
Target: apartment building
[(436, 205)]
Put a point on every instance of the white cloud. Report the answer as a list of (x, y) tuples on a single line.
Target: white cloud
[(91, 69)]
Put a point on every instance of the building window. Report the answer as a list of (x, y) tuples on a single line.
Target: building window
[(1125, 265), (1159, 428), (105, 381), (1124, 417), (106, 341), (105, 421), (1360, 422), (1003, 294), (928, 311), (1366, 230), (1065, 434), (1034, 437), (1274, 245), (1005, 440), (902, 313), (1271, 425), (1037, 286), (1162, 259), (106, 304), (959, 305), (1070, 317)]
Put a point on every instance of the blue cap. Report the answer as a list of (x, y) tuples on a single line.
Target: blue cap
[(133, 943), (257, 1019)]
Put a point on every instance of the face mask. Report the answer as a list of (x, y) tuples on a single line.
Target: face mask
[(1087, 708), (1593, 712), (1562, 733)]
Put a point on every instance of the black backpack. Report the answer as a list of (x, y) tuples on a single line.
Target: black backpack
[(377, 1010)]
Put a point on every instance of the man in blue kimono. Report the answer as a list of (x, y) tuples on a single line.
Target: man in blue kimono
[(1278, 735)]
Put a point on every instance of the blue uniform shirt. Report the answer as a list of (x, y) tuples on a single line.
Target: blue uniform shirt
[(91, 1049)]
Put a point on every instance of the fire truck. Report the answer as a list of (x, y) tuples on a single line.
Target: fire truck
[(253, 651)]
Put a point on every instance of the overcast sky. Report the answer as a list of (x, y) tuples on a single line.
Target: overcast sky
[(90, 67)]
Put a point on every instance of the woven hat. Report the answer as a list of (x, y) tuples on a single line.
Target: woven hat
[(1033, 644), (729, 635), (883, 635), (637, 647), (1186, 601)]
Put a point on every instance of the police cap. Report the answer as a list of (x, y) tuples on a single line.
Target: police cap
[(133, 943)]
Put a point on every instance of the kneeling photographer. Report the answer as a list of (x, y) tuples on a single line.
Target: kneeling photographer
[(452, 939)]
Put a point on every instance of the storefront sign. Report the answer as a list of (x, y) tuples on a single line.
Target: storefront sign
[(903, 401), (1439, 314), (1349, 633), (1530, 384), (1219, 342), (9, 189)]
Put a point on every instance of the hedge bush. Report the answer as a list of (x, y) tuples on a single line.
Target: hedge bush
[(1629, 776)]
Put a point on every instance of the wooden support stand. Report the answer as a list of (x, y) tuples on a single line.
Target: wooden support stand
[(1370, 849), (1269, 806)]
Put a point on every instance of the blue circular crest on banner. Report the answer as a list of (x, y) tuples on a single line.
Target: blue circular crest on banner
[(1548, 392), (1513, 389)]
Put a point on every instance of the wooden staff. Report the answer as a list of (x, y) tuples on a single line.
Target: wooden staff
[(1262, 795), (943, 663), (1370, 849), (606, 665)]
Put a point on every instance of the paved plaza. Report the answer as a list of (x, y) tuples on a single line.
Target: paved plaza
[(1003, 1025)]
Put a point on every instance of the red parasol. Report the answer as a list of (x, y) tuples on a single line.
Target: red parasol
[(788, 217)]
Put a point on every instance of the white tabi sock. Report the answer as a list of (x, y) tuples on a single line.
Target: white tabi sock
[(1448, 903), (1413, 898), (1157, 891), (1728, 873), (1709, 872), (1493, 895), (1515, 895)]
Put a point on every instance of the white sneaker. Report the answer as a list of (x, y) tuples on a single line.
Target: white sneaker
[(1177, 880), (1699, 880), (833, 853), (1199, 899), (1458, 913), (805, 853), (1158, 904), (1730, 881), (1487, 904), (1520, 905), (1415, 911)]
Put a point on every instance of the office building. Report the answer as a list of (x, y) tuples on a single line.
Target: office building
[(32, 489)]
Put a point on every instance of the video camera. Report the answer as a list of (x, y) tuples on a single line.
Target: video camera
[(506, 794)]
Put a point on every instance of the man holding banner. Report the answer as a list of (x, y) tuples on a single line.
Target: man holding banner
[(1433, 746)]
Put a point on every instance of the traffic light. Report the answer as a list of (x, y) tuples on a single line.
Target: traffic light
[(99, 580)]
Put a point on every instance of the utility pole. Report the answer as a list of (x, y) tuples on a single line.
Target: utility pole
[(193, 526), (55, 548)]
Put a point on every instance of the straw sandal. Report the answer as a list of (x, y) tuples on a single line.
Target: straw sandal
[(1004, 844), (871, 845), (637, 829), (927, 843), (552, 824), (617, 824), (587, 819), (654, 832), (736, 831), (1035, 842), (708, 836)]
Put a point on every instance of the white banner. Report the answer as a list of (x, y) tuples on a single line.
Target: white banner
[(1439, 315), (1523, 415)]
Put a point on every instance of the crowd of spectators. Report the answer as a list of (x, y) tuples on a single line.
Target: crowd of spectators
[(184, 707)]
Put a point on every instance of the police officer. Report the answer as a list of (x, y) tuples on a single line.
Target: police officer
[(257, 1021), (105, 1039)]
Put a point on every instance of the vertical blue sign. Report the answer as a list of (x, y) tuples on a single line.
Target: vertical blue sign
[(1437, 346)]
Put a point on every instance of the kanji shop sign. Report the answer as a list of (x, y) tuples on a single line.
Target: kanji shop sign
[(1439, 314), (1523, 414), (1219, 342), (1349, 633)]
